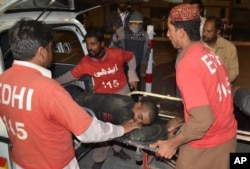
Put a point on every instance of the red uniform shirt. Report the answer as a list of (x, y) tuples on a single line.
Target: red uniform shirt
[(203, 80), (39, 116), (108, 73)]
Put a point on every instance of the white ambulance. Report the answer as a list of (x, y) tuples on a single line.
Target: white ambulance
[(68, 23)]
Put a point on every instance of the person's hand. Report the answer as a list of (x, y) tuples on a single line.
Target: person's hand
[(133, 85), (173, 126), (130, 125), (143, 70), (165, 148)]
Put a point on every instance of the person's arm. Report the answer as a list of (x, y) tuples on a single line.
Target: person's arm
[(233, 65), (199, 121), (99, 131), (132, 76), (112, 23), (118, 39), (242, 99), (147, 50), (146, 54), (66, 78), (114, 41)]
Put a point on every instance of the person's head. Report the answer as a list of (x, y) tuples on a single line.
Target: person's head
[(31, 41), (123, 5), (136, 22), (198, 4), (183, 24), (211, 29), (145, 112), (95, 43)]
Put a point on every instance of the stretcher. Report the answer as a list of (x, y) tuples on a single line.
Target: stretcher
[(243, 132), (144, 152)]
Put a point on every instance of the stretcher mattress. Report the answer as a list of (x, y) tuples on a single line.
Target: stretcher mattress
[(143, 137), (171, 107)]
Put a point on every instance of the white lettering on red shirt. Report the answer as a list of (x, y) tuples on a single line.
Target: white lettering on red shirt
[(19, 97), (106, 72), (212, 62), (224, 89)]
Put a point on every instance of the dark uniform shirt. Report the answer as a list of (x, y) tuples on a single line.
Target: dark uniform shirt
[(113, 108), (116, 20), (116, 109)]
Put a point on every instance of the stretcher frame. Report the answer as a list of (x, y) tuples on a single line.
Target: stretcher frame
[(241, 135)]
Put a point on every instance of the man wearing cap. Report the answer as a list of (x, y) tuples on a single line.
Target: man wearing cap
[(209, 133), (133, 38)]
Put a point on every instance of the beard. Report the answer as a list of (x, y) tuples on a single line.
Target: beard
[(96, 54), (209, 40)]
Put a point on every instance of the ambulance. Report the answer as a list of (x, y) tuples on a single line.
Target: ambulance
[(68, 23)]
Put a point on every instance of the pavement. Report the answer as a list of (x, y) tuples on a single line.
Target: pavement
[(115, 163), (153, 162), (164, 84)]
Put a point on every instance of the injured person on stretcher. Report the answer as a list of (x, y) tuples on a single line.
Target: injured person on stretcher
[(116, 109)]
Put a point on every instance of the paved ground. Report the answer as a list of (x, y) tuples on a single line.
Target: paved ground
[(154, 163), (116, 163), (164, 83)]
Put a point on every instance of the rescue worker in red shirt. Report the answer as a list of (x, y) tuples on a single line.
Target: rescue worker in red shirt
[(39, 114), (105, 66), (208, 135)]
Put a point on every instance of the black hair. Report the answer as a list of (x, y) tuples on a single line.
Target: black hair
[(26, 36), (97, 33), (192, 28), (199, 3), (124, 1), (217, 21), (153, 109)]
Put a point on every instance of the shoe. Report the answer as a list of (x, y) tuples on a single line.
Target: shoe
[(97, 165), (122, 155)]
